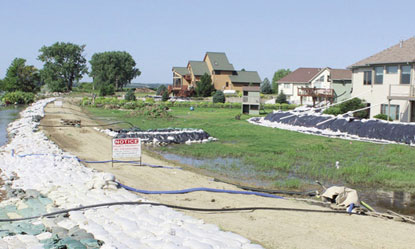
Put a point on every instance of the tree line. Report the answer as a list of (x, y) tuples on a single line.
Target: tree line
[(64, 64)]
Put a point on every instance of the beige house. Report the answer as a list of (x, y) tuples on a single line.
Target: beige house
[(217, 66), (251, 100), (385, 80), (311, 85)]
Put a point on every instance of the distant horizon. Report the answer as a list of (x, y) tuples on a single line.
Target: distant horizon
[(261, 36)]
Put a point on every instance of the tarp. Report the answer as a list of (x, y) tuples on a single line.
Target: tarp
[(348, 127)]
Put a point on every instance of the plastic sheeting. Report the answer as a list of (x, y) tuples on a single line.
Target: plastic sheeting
[(345, 127)]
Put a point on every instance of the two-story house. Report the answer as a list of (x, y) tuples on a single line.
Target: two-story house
[(386, 82), (217, 66), (311, 85)]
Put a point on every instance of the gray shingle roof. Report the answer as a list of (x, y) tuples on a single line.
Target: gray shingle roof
[(394, 54), (199, 67), (181, 70), (246, 77), (219, 61)]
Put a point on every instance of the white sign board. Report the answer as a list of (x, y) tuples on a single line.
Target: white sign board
[(126, 147)]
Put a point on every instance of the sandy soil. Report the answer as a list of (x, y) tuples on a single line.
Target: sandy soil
[(272, 229)]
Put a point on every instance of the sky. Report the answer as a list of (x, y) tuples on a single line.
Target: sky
[(257, 35)]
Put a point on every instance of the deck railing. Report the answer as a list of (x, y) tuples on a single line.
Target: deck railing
[(402, 90), (315, 92)]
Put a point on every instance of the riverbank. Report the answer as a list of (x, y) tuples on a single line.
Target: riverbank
[(283, 229), (32, 163)]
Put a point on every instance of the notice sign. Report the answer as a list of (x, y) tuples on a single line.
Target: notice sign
[(126, 147)]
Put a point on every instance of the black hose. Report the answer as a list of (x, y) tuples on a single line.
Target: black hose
[(175, 207), (270, 191)]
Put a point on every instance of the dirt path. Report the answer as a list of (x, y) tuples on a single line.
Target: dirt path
[(272, 229)]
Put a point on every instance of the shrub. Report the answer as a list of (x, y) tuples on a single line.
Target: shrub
[(18, 97), (350, 105), (219, 97), (150, 100), (383, 117), (129, 105), (281, 98), (165, 96), (130, 96)]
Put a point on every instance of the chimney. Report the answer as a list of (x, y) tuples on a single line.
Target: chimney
[(401, 43)]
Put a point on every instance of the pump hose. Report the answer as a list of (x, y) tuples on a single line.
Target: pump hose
[(65, 211), (189, 190)]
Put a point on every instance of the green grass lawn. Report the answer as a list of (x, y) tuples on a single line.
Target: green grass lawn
[(287, 158)]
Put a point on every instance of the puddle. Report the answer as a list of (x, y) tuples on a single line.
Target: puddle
[(235, 170)]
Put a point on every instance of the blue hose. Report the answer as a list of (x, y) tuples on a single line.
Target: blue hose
[(185, 191)]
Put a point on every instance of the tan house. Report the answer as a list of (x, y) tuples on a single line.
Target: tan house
[(217, 66), (311, 85), (385, 80)]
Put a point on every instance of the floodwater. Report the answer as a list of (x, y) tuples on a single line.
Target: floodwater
[(7, 115), (234, 170)]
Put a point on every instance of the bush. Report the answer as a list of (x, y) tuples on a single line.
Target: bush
[(106, 90), (383, 117), (165, 96), (18, 97), (281, 98), (130, 96), (150, 100), (350, 105), (218, 97)]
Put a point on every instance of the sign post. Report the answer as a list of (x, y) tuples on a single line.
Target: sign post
[(125, 148)]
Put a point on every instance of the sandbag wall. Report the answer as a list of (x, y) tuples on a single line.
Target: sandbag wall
[(371, 129), (162, 137)]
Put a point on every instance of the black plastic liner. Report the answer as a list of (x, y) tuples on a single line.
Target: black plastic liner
[(166, 136), (366, 129)]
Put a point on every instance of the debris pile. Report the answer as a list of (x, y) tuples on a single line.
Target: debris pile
[(162, 137), (373, 130)]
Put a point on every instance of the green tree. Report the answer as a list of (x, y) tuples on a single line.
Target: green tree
[(281, 73), (63, 66), (204, 87), (281, 98), (21, 77), (218, 97), (161, 89), (114, 67), (266, 86)]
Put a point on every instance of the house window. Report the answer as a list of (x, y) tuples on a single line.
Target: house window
[(394, 112), (227, 84), (286, 85), (391, 69), (405, 74), (367, 78), (378, 75)]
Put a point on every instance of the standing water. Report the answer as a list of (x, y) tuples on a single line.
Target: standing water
[(7, 115)]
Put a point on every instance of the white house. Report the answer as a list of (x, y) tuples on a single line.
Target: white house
[(308, 85), (385, 80)]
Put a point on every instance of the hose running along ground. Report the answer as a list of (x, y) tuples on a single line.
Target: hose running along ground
[(65, 211)]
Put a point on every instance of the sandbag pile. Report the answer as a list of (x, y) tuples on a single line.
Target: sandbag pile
[(163, 137), (62, 182), (345, 127)]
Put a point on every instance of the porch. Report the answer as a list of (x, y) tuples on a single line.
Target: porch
[(316, 94)]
